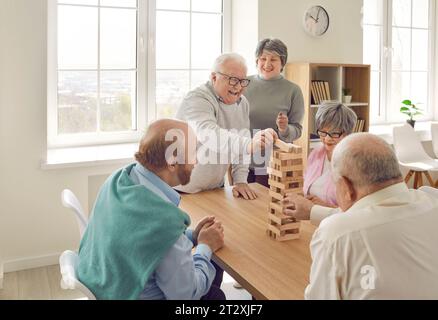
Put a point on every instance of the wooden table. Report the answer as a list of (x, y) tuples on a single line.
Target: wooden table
[(266, 268)]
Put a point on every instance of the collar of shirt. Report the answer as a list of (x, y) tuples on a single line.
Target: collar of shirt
[(210, 86), (279, 77), (379, 196), (156, 181)]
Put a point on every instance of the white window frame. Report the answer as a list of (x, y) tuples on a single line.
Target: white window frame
[(386, 63), (146, 78)]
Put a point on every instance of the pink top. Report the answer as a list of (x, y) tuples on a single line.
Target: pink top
[(315, 167)]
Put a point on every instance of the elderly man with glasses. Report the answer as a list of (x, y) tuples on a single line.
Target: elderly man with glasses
[(219, 114)]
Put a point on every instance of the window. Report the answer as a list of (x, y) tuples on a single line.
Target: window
[(189, 37), (399, 45), (127, 62)]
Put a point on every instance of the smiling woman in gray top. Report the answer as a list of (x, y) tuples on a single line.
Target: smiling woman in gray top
[(274, 101)]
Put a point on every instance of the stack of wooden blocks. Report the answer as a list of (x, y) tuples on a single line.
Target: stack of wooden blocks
[(285, 176)]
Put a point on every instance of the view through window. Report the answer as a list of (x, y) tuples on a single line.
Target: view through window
[(398, 43)]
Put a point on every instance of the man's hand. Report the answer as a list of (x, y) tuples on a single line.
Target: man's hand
[(244, 190), (319, 202), (212, 236), (282, 123), (262, 140), (297, 206), (204, 223)]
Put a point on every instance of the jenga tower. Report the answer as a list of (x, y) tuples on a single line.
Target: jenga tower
[(285, 176)]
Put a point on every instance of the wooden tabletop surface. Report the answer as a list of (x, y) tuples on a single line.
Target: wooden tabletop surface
[(266, 268)]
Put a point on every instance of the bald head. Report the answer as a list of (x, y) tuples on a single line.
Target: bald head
[(165, 142), (366, 160)]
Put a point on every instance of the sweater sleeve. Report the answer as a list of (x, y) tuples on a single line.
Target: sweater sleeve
[(199, 112), (295, 115)]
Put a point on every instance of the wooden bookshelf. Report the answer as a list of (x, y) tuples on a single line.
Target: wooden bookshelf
[(356, 77)]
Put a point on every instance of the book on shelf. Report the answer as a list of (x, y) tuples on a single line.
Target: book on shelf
[(360, 125), (320, 91)]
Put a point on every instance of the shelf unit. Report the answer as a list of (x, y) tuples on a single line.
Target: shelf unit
[(356, 77)]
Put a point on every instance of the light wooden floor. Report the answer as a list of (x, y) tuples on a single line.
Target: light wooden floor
[(36, 284), (43, 284)]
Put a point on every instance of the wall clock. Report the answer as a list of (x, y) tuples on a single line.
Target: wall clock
[(316, 21)]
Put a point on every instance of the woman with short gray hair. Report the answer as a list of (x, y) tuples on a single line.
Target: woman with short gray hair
[(333, 121), (274, 101)]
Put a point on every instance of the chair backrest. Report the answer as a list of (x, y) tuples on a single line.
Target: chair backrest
[(70, 201), (434, 130), (68, 263), (407, 145)]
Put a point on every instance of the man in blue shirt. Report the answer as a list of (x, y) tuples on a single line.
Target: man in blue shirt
[(136, 245)]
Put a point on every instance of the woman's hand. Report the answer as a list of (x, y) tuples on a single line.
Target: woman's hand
[(282, 123)]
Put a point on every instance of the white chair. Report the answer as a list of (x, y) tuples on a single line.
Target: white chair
[(411, 155), (70, 201), (430, 190), (68, 262), (434, 131)]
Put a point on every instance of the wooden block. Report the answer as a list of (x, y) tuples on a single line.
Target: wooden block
[(296, 183), (293, 227), (286, 156), (287, 163), (276, 195), (288, 237), (284, 146), (280, 219)]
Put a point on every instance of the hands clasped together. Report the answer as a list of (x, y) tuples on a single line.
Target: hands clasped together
[(209, 232)]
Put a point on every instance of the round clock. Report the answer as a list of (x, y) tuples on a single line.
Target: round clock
[(316, 21)]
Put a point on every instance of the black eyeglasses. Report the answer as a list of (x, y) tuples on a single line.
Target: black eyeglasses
[(330, 134), (233, 81)]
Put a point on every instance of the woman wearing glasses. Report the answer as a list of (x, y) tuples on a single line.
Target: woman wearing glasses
[(274, 101), (334, 122)]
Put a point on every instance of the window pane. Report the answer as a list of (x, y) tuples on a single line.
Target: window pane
[(172, 86), (173, 4), (118, 102), (77, 102), (420, 14), (173, 37), (372, 11), (400, 90), (207, 5), (420, 50), (375, 111), (420, 89), (371, 52), (86, 2), (401, 13), (199, 78), (119, 3), (118, 38), (401, 42), (206, 42), (77, 42)]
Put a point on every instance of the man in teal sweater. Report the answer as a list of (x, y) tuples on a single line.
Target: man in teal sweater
[(137, 245)]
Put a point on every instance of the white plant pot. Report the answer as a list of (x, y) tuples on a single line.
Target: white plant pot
[(346, 99)]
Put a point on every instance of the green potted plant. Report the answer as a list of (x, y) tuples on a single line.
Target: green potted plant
[(346, 95), (411, 110)]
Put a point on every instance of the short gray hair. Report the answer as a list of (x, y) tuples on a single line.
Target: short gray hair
[(335, 116), (366, 160), (273, 45), (223, 58)]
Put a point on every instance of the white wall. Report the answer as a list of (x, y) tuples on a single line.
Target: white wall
[(245, 32), (33, 222), (341, 44)]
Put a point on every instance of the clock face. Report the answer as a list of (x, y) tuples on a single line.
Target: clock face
[(316, 21)]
